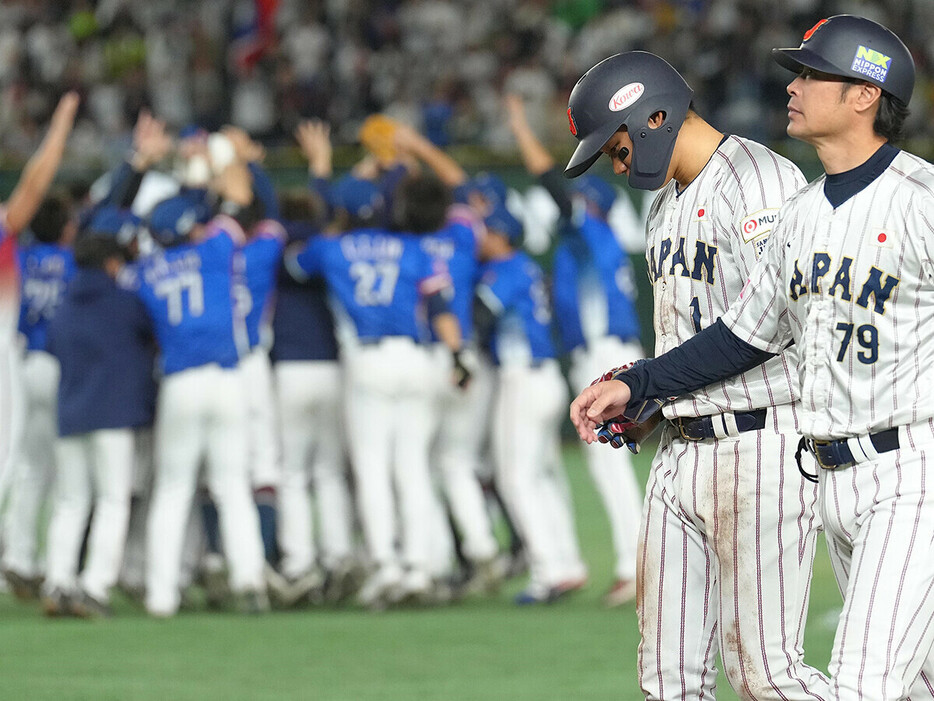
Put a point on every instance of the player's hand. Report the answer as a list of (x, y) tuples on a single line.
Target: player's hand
[(151, 142), (515, 109), (314, 139), (247, 150), (598, 404), (63, 118)]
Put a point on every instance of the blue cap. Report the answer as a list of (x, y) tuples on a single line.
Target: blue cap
[(597, 191), (192, 130), (503, 222), (113, 221), (490, 185), (361, 198), (172, 220)]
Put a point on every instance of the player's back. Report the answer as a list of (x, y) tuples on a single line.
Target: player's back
[(46, 270), (514, 289), (187, 290), (257, 266), (377, 277)]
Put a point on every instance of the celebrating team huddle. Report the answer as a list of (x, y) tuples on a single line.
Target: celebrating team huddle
[(210, 359)]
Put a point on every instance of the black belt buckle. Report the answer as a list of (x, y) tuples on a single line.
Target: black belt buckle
[(700, 424), (701, 428)]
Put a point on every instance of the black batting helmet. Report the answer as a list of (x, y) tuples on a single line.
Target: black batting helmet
[(627, 89), (854, 47)]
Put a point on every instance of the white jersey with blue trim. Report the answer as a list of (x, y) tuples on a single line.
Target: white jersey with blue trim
[(702, 243), (188, 291), (853, 286)]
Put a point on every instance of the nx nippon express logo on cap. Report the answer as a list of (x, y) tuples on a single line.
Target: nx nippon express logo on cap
[(625, 96), (871, 63)]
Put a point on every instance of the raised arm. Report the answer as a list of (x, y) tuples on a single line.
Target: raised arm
[(408, 141), (42, 166), (536, 158)]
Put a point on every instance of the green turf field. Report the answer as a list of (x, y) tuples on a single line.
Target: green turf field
[(477, 650)]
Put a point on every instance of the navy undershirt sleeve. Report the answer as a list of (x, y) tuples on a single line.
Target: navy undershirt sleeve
[(557, 187), (714, 354)]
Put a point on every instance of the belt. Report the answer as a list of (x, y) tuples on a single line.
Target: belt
[(832, 455), (376, 340), (720, 425)]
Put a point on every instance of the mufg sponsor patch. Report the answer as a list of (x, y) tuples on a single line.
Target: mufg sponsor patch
[(871, 63)]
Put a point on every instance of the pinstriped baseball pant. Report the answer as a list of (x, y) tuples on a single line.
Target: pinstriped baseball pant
[(727, 542), (879, 516)]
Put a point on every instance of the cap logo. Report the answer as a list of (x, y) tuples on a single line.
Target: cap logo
[(625, 96), (809, 33), (871, 63), (571, 123)]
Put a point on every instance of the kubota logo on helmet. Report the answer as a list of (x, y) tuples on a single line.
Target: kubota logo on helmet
[(625, 96)]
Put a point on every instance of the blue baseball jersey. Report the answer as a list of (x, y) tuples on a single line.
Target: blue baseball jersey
[(302, 323), (378, 278), (188, 291), (514, 290), (455, 246), (103, 339), (45, 270), (594, 285), (256, 267)]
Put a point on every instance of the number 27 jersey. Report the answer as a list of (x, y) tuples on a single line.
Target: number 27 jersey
[(701, 245)]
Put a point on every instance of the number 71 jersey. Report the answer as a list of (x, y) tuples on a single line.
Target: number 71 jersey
[(702, 243)]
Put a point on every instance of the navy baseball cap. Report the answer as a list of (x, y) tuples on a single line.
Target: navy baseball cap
[(596, 190), (172, 220), (854, 47), (501, 221), (490, 185), (114, 222), (360, 198)]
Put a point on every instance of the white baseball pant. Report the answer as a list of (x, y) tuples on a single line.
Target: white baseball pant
[(264, 460), (612, 470), (12, 413), (462, 432), (33, 471), (310, 396), (728, 538), (528, 407), (200, 413), (96, 469), (389, 423), (879, 521)]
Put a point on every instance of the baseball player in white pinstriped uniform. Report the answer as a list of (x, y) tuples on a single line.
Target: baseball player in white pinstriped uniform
[(728, 522), (848, 279)]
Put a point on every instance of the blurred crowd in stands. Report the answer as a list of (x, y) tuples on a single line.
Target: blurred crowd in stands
[(439, 65)]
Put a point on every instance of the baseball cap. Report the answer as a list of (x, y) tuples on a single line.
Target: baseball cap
[(501, 221), (360, 198), (172, 220), (490, 185), (113, 222), (854, 47)]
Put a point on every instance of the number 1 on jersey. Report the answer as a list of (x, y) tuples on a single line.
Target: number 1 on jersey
[(695, 315)]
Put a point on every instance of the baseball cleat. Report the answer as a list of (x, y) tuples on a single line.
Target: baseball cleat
[(252, 602), (214, 579), (622, 592), (86, 606), (23, 588), (535, 594), (56, 603)]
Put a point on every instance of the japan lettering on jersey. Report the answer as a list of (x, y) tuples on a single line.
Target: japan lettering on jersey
[(9, 285), (514, 290), (187, 290), (455, 246), (378, 278), (45, 270), (702, 243), (594, 285), (854, 288), (256, 267)]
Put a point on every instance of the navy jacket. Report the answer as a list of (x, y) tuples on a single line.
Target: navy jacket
[(103, 339)]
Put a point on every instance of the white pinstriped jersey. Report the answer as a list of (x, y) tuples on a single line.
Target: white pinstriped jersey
[(854, 287), (702, 244)]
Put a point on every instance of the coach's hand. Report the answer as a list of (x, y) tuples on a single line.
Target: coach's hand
[(596, 405)]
